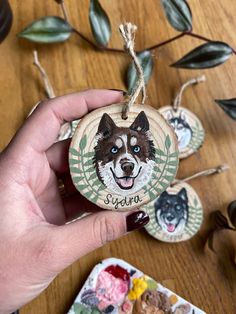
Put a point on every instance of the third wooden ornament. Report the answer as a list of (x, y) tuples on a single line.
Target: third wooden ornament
[(187, 126)]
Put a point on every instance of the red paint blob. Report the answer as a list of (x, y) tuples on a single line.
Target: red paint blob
[(118, 272)]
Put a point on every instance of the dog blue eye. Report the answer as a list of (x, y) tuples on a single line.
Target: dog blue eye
[(136, 149), (114, 150), (177, 207)]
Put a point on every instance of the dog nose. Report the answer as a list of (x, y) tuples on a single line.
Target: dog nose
[(170, 218), (127, 166)]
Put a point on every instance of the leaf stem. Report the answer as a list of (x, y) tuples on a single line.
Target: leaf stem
[(165, 42), (205, 39), (101, 48), (199, 36)]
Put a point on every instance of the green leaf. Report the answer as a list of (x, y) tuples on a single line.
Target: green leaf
[(82, 187), (160, 152), (49, 29), (146, 61), (73, 161), (171, 170), (83, 142), (93, 176), (232, 213), (96, 183), (167, 142), (229, 106), (75, 170), (220, 220), (77, 179), (74, 151), (95, 199), (174, 155), (178, 14), (88, 162), (205, 56), (156, 169), (159, 161), (91, 169), (99, 22), (152, 196), (89, 155)]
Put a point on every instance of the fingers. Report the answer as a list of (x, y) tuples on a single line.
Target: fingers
[(57, 156), (42, 127), (81, 237), (75, 205)]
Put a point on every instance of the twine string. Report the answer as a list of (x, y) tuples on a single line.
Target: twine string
[(47, 84), (66, 128), (178, 98), (203, 173), (127, 31)]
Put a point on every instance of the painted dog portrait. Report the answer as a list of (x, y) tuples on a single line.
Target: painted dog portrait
[(124, 156), (171, 211), (182, 129)]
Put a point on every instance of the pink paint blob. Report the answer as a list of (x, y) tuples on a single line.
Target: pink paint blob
[(110, 290)]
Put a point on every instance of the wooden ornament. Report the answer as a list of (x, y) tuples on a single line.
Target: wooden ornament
[(176, 215), (122, 164), (188, 128)]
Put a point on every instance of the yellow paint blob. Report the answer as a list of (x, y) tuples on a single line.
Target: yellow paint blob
[(139, 286)]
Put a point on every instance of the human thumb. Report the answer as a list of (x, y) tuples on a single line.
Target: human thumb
[(78, 238)]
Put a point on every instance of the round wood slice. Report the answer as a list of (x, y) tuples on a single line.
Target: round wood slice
[(176, 215), (188, 128), (122, 164)]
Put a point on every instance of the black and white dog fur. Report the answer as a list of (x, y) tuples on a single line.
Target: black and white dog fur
[(171, 211), (124, 157), (182, 129)]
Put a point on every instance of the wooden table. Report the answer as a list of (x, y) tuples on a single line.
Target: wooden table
[(205, 279)]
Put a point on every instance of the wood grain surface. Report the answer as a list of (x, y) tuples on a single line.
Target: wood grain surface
[(205, 279)]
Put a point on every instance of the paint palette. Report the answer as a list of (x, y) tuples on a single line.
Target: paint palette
[(116, 287)]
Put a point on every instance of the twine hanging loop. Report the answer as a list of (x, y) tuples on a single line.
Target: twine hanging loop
[(127, 31), (204, 173), (178, 98)]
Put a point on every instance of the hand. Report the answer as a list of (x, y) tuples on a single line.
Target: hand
[(35, 243)]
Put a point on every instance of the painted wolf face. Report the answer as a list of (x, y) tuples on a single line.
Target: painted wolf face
[(124, 157), (172, 211), (182, 130)]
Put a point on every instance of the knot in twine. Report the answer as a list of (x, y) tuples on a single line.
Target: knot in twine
[(178, 99), (204, 173), (127, 31)]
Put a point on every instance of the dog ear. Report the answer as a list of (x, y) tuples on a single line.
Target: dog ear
[(106, 126), (183, 194), (164, 194), (140, 123)]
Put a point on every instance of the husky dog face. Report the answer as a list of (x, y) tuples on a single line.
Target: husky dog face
[(171, 211), (124, 157), (182, 130)]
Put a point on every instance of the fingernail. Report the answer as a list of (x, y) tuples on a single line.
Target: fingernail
[(136, 220), (119, 90)]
